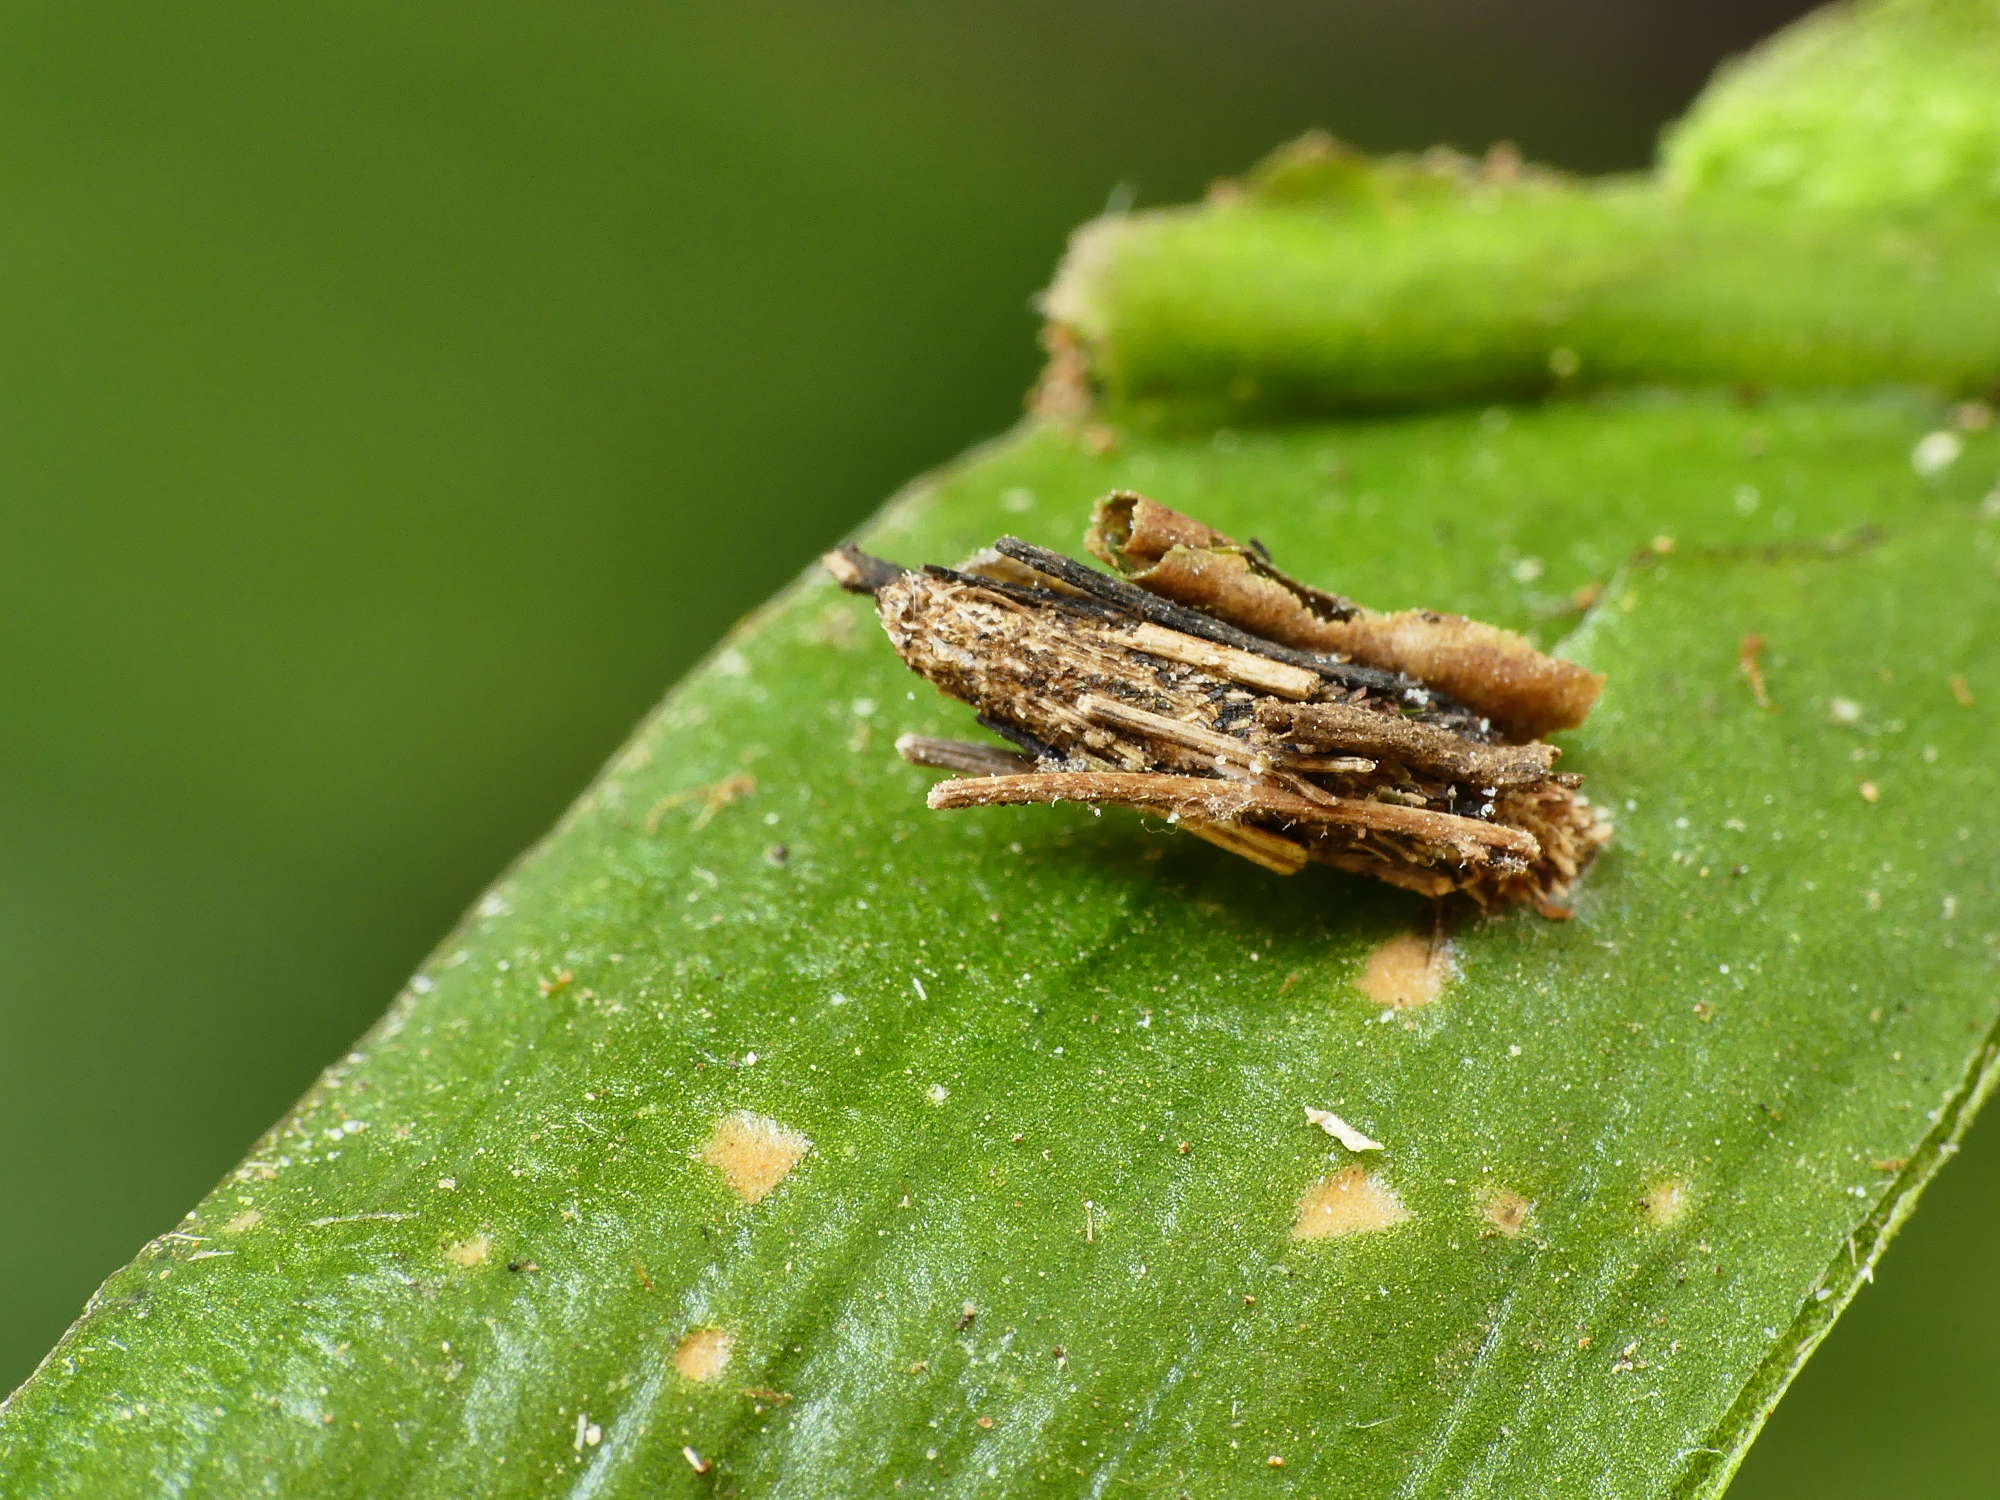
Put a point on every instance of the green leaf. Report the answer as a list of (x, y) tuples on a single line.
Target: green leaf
[(1018, 1094), (985, 1022), (1894, 113)]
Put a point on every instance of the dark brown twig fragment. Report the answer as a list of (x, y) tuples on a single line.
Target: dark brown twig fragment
[(962, 756)]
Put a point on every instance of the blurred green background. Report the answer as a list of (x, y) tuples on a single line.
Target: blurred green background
[(402, 395)]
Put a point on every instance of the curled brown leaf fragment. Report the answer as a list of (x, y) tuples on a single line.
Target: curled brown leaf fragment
[(1488, 669), (1277, 721)]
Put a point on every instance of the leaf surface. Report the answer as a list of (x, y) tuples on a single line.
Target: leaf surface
[(1052, 1066)]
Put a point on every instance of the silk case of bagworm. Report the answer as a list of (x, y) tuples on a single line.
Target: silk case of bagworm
[(1283, 723)]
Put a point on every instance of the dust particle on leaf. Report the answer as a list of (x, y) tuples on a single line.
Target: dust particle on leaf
[(753, 1152), (703, 1353), (1406, 971), (1350, 1201)]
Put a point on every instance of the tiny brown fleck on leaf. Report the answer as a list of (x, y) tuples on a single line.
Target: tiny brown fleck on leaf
[(1507, 1212), (1748, 657)]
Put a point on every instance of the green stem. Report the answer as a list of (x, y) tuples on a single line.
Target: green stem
[(1281, 310)]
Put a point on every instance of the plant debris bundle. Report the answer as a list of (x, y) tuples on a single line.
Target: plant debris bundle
[(1282, 723)]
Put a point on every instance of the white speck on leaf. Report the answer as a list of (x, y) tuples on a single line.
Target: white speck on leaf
[(1935, 452), (1340, 1130)]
